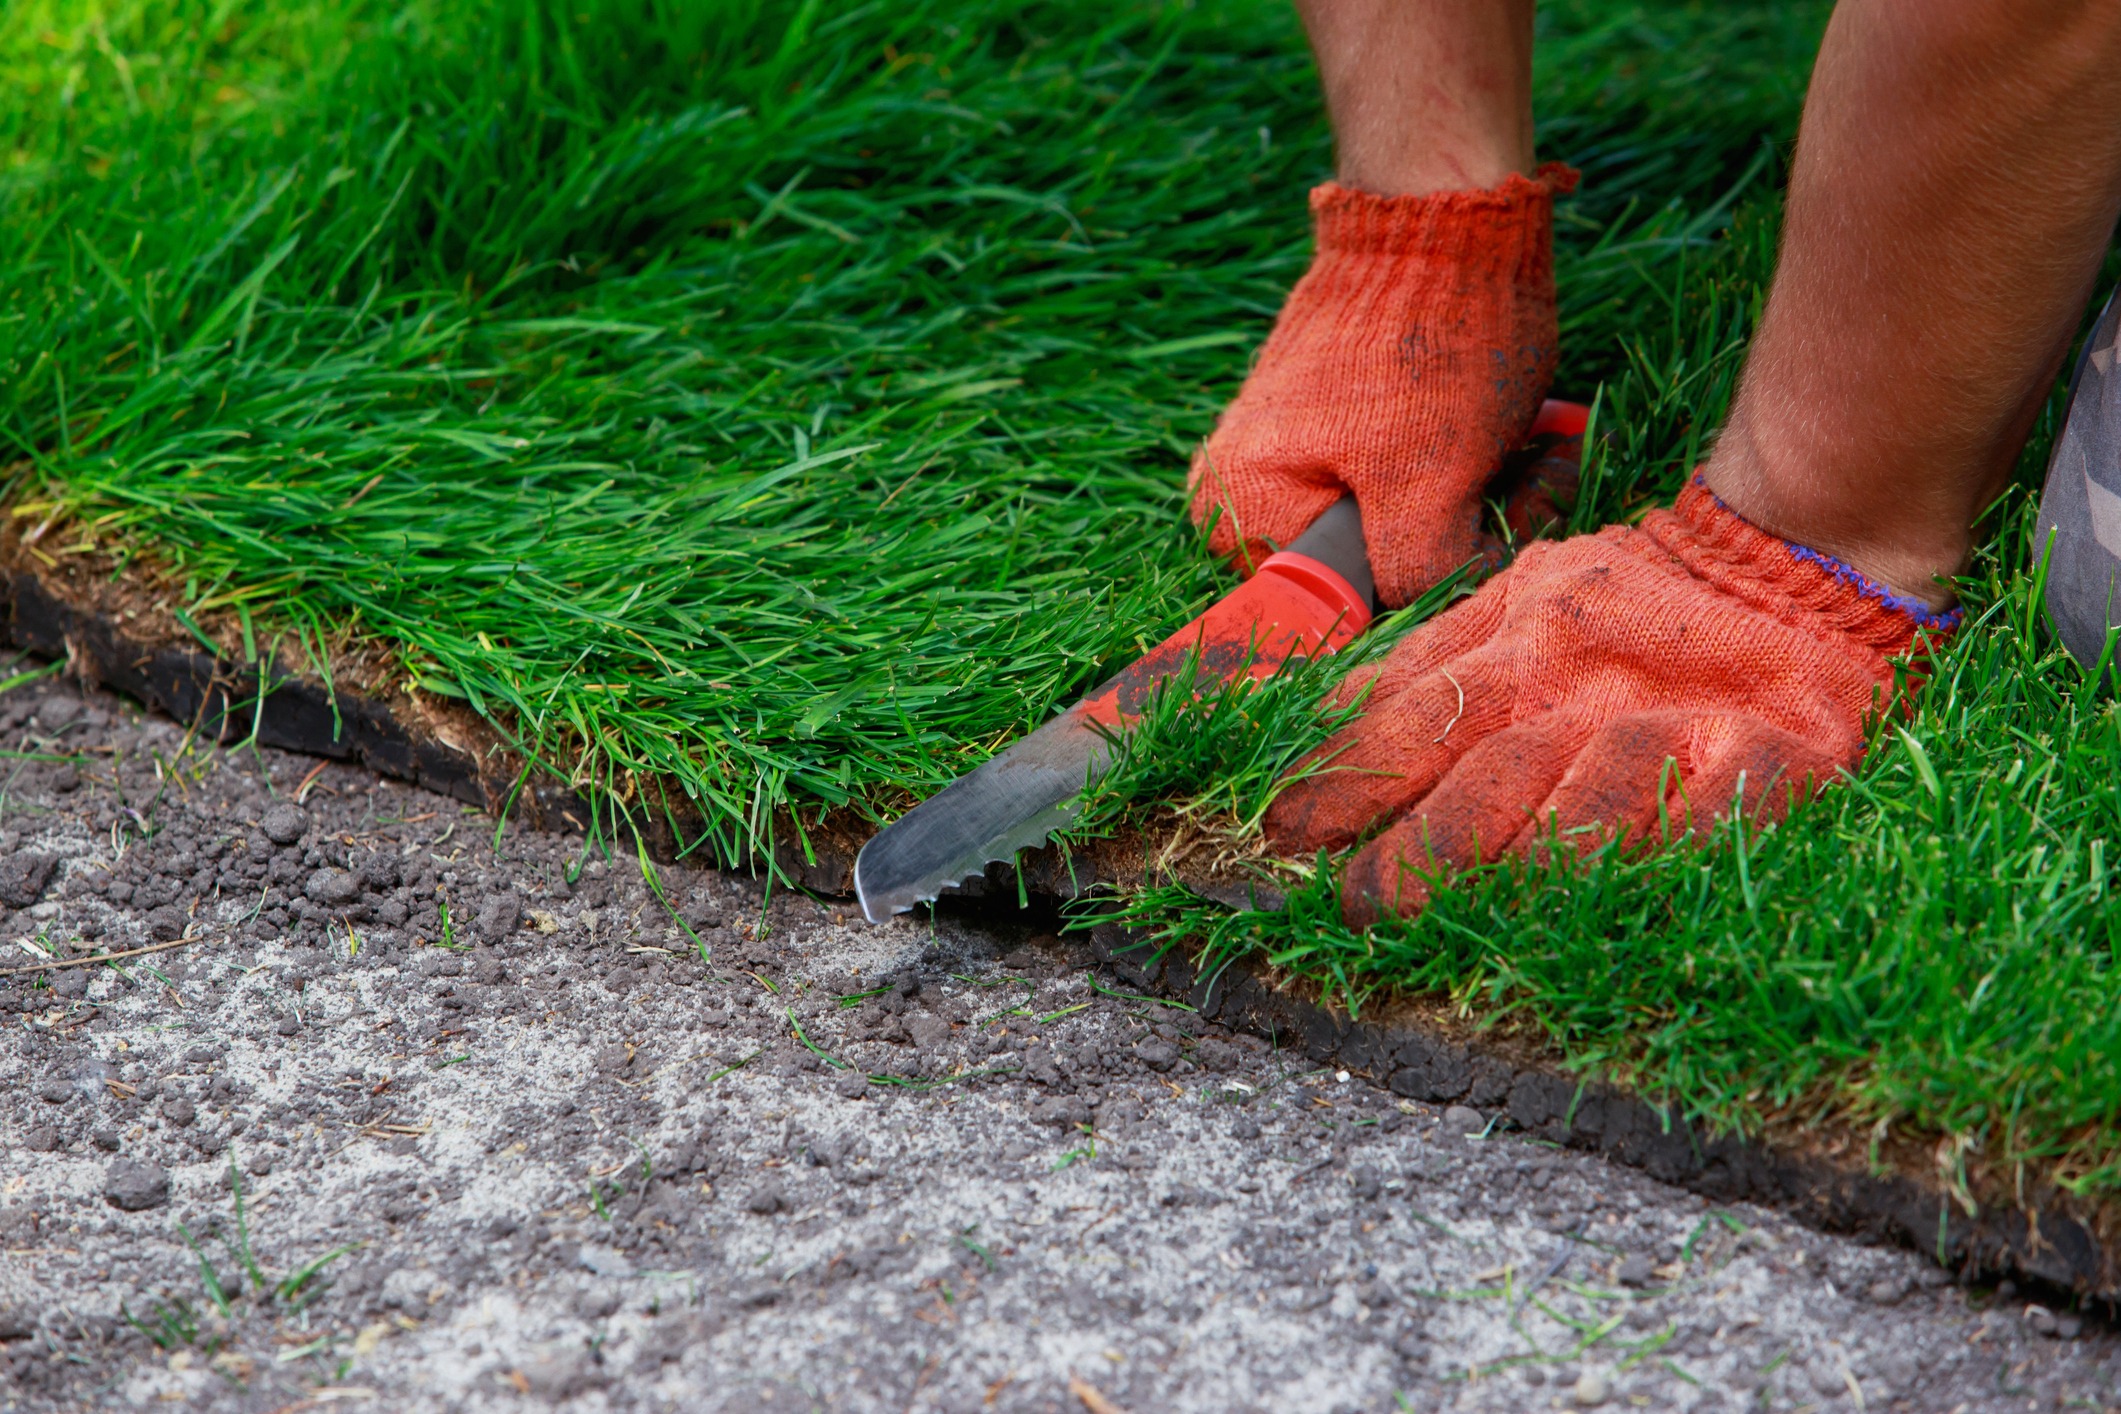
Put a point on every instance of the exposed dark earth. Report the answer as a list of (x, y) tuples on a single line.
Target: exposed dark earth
[(406, 1114)]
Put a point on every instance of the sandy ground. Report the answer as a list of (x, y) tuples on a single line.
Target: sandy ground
[(566, 1160)]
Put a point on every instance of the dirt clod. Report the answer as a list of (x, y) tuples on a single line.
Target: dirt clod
[(1158, 1055), (1462, 1120), (333, 888), (284, 824), (133, 1186), (1066, 1111), (501, 916), (23, 878)]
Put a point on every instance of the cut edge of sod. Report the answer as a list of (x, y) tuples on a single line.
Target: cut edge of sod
[(339, 696)]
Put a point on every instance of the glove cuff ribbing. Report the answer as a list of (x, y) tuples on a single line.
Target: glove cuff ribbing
[(1358, 222), (1717, 544)]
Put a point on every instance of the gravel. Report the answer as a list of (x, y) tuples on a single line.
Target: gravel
[(570, 1162)]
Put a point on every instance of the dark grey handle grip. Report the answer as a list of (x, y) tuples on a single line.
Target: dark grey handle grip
[(1335, 541)]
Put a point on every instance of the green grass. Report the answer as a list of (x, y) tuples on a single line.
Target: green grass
[(783, 404)]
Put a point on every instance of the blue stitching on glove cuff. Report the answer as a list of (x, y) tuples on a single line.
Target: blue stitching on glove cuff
[(1923, 615)]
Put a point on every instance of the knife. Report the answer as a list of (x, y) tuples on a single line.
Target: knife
[(1311, 599)]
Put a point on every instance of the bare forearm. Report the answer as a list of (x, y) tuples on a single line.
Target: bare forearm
[(1425, 95), (1956, 182)]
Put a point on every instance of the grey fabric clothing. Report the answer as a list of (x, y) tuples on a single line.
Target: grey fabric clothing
[(2080, 508)]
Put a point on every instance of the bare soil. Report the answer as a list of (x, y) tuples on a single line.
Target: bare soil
[(580, 1145)]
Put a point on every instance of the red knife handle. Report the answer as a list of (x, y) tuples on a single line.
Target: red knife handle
[(1297, 604), (1559, 419), (1294, 606)]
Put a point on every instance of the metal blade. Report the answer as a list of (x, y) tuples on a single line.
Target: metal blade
[(1013, 802)]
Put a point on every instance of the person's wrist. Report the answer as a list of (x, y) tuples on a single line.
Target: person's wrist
[(1907, 550), (1431, 170)]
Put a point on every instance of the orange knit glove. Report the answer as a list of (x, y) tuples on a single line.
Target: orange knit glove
[(1591, 682), (1406, 362)]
